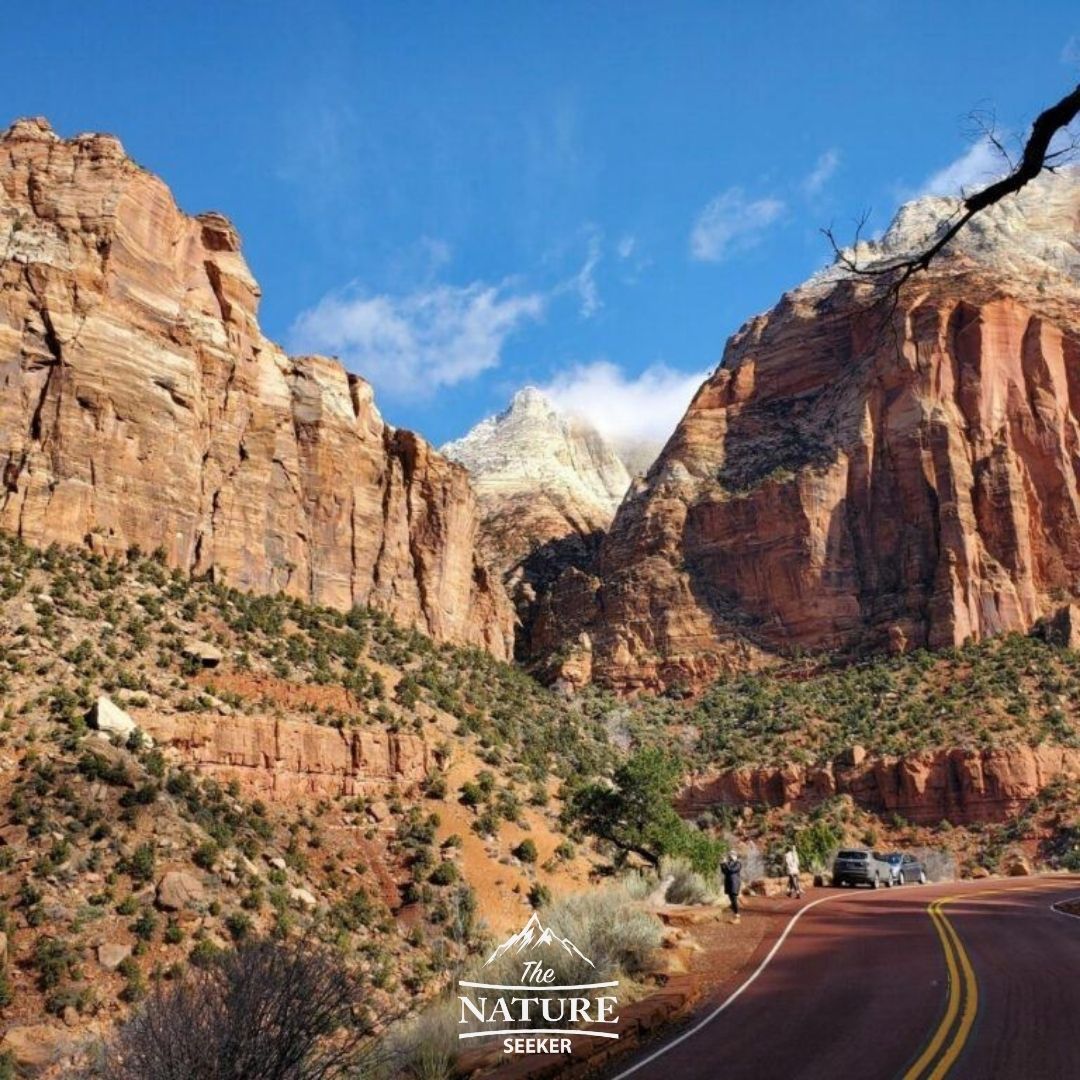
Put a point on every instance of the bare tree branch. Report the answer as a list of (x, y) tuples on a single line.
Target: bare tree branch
[(1037, 156), (270, 1010)]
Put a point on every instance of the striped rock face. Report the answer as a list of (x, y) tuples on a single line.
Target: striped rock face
[(860, 477), (142, 405)]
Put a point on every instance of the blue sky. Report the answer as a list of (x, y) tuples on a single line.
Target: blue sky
[(461, 198)]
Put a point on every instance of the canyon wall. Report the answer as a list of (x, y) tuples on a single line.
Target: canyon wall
[(142, 406), (857, 475)]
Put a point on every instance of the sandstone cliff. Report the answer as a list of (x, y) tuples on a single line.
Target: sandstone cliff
[(290, 759), (853, 477), (142, 406), (963, 787)]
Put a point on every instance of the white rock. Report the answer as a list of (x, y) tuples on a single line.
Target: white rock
[(302, 896), (112, 954), (110, 720), (533, 448)]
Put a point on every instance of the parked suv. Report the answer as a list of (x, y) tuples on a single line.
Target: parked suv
[(903, 868), (856, 867)]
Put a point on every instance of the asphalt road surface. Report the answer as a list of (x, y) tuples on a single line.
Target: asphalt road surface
[(971, 981)]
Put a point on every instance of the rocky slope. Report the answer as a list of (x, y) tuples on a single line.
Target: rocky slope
[(307, 770), (859, 477), (142, 406), (548, 486)]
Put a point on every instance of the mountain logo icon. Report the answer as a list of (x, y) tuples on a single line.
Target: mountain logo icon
[(533, 935)]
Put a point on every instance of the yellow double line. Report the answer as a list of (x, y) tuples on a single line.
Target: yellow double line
[(948, 1040), (963, 1002)]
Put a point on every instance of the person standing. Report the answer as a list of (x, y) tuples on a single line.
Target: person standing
[(791, 865), (731, 868)]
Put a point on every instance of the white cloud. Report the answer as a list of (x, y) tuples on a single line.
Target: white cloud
[(731, 222), (414, 344), (584, 281), (626, 409), (976, 167), (1070, 53), (626, 245), (822, 172)]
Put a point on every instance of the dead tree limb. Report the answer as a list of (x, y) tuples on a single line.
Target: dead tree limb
[(1037, 156)]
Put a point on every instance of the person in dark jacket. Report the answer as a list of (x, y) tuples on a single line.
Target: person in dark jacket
[(731, 868)]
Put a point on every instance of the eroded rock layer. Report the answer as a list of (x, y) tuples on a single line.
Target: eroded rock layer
[(286, 759), (963, 787), (857, 477), (142, 406)]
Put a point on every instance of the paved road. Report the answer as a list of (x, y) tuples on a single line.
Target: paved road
[(972, 981)]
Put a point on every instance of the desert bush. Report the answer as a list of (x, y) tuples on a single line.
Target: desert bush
[(687, 886), (271, 1010), (606, 925), (637, 884), (526, 850), (940, 865), (425, 1048)]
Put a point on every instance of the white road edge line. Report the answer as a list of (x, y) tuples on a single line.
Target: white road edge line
[(735, 994), (1068, 914), (691, 1032)]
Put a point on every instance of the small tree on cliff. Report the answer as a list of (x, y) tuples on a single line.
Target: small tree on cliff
[(636, 812)]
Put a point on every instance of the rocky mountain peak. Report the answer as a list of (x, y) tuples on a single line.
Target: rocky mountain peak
[(1032, 237), (532, 448)]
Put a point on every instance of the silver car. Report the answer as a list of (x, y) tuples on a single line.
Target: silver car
[(903, 868)]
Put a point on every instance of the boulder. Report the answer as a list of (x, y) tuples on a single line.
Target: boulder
[(108, 717), (302, 897), (112, 954), (14, 835), (178, 889), (767, 887), (1063, 627), (34, 1047), (209, 656), (378, 811), (1016, 864)]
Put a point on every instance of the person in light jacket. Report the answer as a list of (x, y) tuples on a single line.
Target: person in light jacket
[(731, 868), (791, 865)]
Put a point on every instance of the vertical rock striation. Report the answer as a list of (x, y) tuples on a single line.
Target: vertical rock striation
[(141, 405)]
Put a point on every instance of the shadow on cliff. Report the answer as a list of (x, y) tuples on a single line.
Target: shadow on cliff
[(531, 581)]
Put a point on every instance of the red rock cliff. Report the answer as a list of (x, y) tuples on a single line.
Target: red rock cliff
[(289, 759), (141, 405), (852, 479), (960, 786)]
